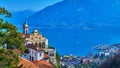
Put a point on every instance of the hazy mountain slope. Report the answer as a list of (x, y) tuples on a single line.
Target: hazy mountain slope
[(18, 17), (83, 14)]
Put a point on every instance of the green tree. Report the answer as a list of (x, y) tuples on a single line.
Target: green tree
[(9, 35), (58, 60), (8, 59)]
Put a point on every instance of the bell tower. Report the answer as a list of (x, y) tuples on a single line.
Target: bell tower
[(25, 27)]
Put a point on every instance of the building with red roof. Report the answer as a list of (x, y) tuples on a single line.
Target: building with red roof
[(37, 46), (34, 64)]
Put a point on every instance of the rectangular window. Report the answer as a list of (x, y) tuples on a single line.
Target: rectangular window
[(51, 54), (40, 54)]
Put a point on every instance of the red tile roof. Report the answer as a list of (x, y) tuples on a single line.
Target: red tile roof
[(34, 64), (35, 47), (27, 63), (43, 64), (25, 35)]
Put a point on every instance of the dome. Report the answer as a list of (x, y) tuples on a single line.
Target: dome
[(36, 31), (26, 25)]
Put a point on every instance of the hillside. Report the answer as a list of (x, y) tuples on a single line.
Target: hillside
[(86, 15), (18, 17)]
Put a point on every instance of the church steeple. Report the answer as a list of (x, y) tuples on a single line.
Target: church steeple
[(25, 27)]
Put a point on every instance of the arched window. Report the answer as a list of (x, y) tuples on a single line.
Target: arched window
[(43, 45), (35, 43), (40, 45), (32, 58)]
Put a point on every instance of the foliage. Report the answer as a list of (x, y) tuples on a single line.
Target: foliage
[(8, 59), (3, 11), (58, 60), (9, 35)]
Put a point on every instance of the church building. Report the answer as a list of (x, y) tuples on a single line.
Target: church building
[(37, 45)]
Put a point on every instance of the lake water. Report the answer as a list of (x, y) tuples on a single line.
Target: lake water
[(78, 42)]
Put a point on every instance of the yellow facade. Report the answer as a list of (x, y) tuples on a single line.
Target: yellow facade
[(37, 39)]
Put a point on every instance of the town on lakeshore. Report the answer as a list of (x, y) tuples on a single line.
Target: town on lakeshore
[(38, 51), (39, 54)]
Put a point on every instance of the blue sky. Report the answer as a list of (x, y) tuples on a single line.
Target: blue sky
[(17, 5)]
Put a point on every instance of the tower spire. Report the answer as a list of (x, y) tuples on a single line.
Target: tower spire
[(25, 21)]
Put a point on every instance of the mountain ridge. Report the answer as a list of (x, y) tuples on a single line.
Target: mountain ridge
[(79, 14)]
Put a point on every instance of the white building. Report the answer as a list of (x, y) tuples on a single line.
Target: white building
[(35, 53)]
